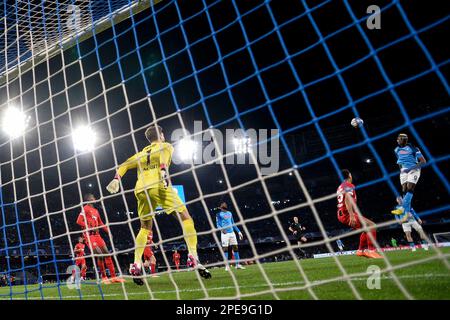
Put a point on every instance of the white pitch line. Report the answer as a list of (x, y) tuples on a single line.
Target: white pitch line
[(279, 284)]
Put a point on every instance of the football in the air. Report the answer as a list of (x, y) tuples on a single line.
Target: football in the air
[(357, 122)]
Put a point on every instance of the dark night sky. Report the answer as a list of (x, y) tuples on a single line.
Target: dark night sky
[(199, 90)]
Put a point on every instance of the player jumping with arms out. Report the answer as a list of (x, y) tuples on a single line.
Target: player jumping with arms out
[(153, 188), (349, 215), (410, 160), (149, 256), (225, 223), (408, 220), (80, 261), (176, 259), (89, 219)]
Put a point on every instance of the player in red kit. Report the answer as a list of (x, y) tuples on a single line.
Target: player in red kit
[(149, 256), (89, 219), (349, 215), (176, 259), (80, 261)]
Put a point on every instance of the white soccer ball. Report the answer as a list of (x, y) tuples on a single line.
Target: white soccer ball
[(357, 122)]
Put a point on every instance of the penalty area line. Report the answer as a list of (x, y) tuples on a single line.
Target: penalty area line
[(279, 284)]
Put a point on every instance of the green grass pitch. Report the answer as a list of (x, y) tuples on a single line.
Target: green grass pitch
[(426, 278)]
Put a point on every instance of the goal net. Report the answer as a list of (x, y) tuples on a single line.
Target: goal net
[(442, 238), (257, 99)]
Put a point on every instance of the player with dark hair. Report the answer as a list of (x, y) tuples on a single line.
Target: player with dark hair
[(149, 256), (89, 219), (348, 214), (153, 188), (80, 261), (410, 160), (225, 223), (297, 230), (176, 259)]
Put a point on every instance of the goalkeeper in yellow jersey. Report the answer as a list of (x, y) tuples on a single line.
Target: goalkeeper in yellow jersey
[(152, 189)]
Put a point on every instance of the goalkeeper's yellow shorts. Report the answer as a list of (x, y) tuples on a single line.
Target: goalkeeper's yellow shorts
[(151, 199)]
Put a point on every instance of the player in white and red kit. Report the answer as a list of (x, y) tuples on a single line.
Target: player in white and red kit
[(348, 214), (89, 219), (80, 261), (149, 256)]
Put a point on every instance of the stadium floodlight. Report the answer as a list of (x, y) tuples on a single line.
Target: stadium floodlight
[(83, 139), (186, 149), (14, 122), (241, 145)]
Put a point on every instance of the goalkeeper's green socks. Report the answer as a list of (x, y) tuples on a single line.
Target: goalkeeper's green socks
[(190, 236), (141, 242)]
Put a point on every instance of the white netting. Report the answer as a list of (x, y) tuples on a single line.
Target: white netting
[(117, 67)]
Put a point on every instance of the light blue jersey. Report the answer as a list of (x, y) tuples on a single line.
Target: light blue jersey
[(339, 243), (411, 218), (224, 220), (407, 156)]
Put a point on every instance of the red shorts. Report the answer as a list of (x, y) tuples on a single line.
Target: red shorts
[(80, 261), (177, 262), (148, 253), (95, 241), (344, 217)]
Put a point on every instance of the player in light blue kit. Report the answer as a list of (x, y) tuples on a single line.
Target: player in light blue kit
[(410, 160), (225, 223), (340, 245), (408, 221)]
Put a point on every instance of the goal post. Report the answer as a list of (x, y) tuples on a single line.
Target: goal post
[(442, 238)]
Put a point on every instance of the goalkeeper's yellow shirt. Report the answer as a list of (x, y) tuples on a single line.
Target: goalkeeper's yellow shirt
[(148, 164)]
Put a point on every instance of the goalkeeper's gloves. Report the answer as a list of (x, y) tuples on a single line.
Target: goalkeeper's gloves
[(114, 185), (164, 176), (241, 236)]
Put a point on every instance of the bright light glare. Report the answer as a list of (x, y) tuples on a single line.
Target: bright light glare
[(241, 145), (83, 139), (187, 149), (14, 122)]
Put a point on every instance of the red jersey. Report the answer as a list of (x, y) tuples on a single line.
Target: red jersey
[(176, 257), (348, 189), (90, 219), (150, 239), (79, 250), (148, 252)]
